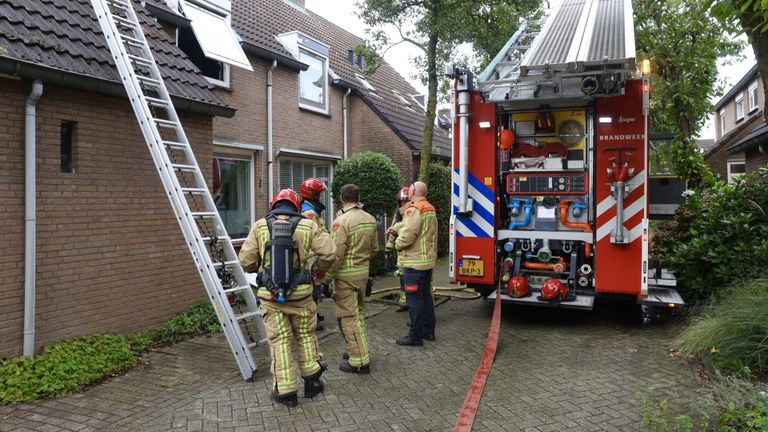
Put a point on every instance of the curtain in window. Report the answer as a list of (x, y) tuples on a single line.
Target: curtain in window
[(293, 172), (232, 194)]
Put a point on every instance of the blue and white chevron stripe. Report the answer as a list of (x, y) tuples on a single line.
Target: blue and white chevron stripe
[(480, 224)]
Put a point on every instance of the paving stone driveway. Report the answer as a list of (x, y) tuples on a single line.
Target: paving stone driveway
[(554, 371)]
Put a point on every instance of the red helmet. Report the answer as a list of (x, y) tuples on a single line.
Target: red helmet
[(289, 195), (403, 194), (311, 188), (517, 286), (553, 289)]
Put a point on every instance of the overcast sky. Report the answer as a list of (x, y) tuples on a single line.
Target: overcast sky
[(342, 13)]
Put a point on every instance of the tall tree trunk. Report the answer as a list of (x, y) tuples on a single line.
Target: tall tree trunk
[(429, 120)]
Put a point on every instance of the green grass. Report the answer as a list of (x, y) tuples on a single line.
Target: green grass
[(732, 332)]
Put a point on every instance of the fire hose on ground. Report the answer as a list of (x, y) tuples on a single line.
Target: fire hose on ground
[(458, 292)]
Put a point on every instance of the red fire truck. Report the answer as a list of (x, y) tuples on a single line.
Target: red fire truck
[(550, 165)]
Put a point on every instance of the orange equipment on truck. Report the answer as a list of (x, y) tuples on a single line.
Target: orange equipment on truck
[(550, 165)]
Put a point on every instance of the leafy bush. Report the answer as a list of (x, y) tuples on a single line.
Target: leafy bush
[(378, 265), (376, 175), (195, 320), (720, 234), (63, 367), (439, 195), (726, 404), (67, 366), (732, 331)]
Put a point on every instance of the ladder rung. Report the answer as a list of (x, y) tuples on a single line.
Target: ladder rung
[(175, 144), (166, 123), (209, 239), (124, 21), (247, 315), (148, 81), (236, 289), (225, 264), (204, 215), (155, 101), (132, 41), (257, 343), (180, 167), (118, 3), (194, 190), (140, 60)]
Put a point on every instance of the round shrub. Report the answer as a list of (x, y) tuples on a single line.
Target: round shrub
[(377, 177), (439, 195)]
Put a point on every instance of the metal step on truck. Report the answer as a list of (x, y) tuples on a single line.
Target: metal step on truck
[(550, 166)]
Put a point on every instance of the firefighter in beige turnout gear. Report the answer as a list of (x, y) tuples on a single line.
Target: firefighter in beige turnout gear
[(354, 232), (417, 253), (294, 319), (389, 248)]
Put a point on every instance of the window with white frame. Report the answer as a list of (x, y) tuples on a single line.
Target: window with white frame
[(739, 107), (232, 193), (752, 92), (209, 42), (313, 82), (736, 169), (722, 121), (294, 171)]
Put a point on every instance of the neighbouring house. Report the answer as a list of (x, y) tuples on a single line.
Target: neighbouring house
[(268, 92), (741, 135), (306, 104), (109, 255)]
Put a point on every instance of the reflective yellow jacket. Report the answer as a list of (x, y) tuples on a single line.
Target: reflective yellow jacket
[(416, 242), (354, 232), (310, 241)]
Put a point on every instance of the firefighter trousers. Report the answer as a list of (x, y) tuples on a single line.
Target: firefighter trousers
[(349, 297), (418, 292), (294, 320)]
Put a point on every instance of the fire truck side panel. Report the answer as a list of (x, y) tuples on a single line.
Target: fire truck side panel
[(473, 253), (622, 169)]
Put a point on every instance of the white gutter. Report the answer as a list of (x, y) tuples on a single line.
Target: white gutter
[(345, 119), (270, 158), (30, 221)]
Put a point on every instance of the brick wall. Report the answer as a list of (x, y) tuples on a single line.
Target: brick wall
[(110, 255), (292, 127), (755, 159), (369, 132)]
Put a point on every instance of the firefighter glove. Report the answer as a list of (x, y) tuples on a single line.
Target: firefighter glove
[(316, 292), (325, 289), (369, 287)]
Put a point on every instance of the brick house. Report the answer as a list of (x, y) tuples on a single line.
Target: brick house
[(741, 135), (106, 259), (109, 254), (323, 107)]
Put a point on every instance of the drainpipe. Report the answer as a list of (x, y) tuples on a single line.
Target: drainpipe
[(270, 158), (344, 109), (30, 221)]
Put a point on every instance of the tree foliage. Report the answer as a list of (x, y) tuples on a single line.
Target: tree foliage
[(751, 16), (683, 42), (437, 28), (439, 195), (377, 177)]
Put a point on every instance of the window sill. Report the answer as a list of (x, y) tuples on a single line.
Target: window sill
[(739, 119), (753, 109), (314, 111)]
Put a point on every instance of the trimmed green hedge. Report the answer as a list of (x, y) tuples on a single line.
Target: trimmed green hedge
[(439, 195), (376, 175)]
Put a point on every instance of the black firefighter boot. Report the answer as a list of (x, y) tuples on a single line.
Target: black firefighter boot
[(312, 385), (288, 399)]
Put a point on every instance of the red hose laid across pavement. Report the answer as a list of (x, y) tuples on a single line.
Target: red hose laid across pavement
[(475, 392)]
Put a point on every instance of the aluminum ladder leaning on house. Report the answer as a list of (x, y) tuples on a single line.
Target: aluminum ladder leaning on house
[(182, 178)]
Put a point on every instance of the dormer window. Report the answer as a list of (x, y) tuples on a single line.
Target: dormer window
[(402, 99), (313, 82), (365, 83), (210, 43)]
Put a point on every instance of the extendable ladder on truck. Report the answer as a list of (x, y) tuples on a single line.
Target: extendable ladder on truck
[(182, 179)]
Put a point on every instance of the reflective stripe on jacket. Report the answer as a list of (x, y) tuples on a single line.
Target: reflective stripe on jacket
[(309, 240), (354, 232), (416, 242)]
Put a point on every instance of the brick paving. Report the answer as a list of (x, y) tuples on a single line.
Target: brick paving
[(554, 371)]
